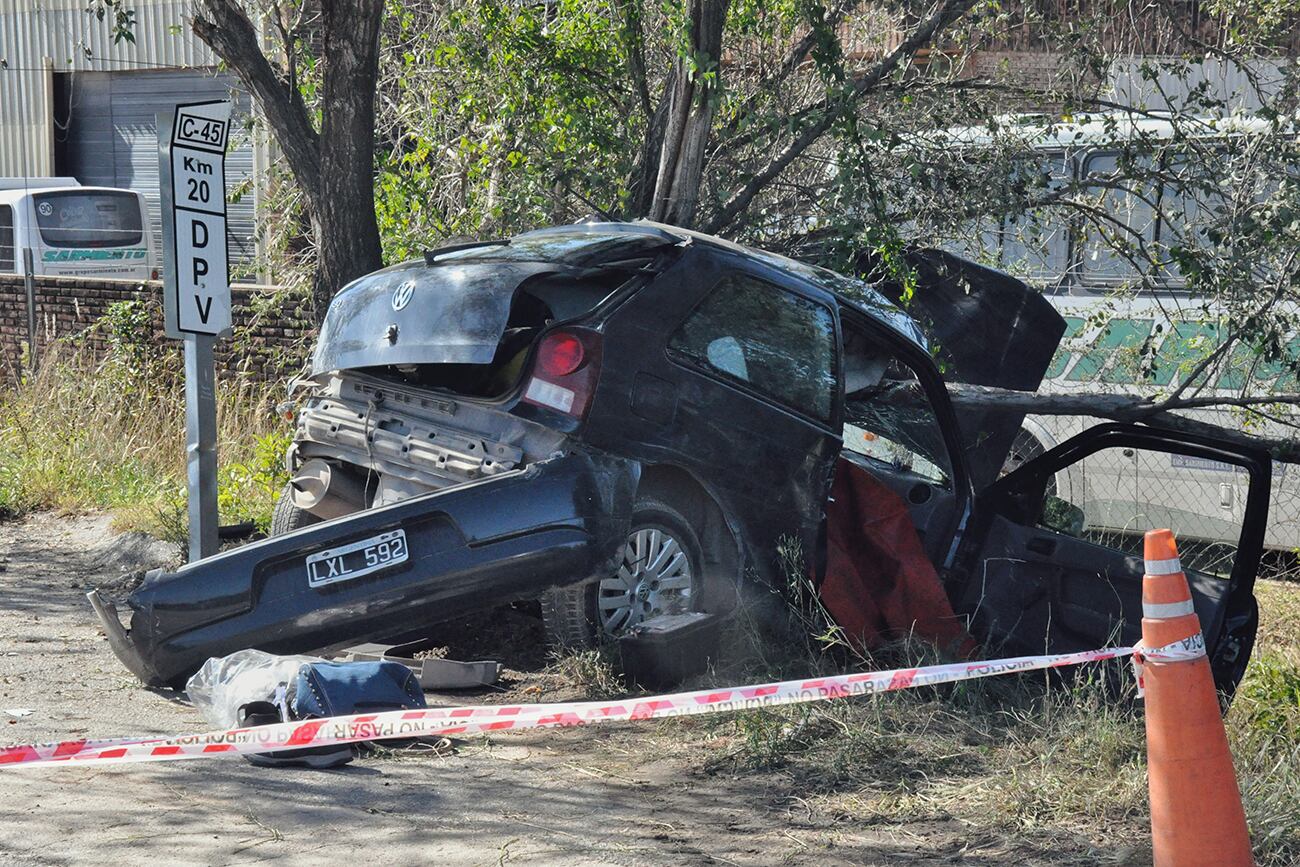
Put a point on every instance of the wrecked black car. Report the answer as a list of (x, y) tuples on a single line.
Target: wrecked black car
[(627, 420)]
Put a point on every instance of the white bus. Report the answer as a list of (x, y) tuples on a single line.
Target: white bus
[(74, 231), (1111, 334)]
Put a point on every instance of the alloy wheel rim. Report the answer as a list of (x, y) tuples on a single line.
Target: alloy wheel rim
[(654, 578)]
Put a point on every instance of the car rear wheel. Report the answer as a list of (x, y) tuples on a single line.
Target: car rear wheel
[(660, 573), (287, 517)]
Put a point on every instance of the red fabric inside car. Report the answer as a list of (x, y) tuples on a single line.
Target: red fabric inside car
[(879, 584)]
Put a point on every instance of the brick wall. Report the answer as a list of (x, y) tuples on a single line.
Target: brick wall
[(270, 339)]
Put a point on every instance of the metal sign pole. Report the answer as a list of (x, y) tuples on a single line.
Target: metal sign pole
[(201, 444), (196, 288), (29, 284)]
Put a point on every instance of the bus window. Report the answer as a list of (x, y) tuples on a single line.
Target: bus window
[(1189, 206), (1129, 221), (8, 255), (99, 218), (1038, 249), (1036, 244)]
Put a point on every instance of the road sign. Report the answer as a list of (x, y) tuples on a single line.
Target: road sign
[(196, 287), (196, 291)]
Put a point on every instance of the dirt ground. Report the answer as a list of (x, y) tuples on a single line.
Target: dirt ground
[(619, 794)]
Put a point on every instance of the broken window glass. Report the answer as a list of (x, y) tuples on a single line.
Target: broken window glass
[(888, 415)]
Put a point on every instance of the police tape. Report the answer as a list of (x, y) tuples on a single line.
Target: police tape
[(1183, 650), (486, 719)]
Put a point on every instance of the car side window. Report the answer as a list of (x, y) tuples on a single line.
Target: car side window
[(7, 252), (888, 415), (776, 342)]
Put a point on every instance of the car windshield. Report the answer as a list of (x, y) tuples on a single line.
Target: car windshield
[(74, 218)]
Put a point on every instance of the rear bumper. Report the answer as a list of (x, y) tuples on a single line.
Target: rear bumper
[(470, 547)]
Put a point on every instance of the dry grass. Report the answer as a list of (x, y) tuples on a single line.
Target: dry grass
[(109, 433), (1034, 759)]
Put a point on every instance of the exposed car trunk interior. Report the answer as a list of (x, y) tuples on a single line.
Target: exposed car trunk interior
[(536, 305), (377, 434), (383, 441)]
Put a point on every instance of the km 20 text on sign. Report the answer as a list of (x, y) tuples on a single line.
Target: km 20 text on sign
[(197, 292)]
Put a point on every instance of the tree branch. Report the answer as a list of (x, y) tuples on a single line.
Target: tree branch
[(795, 57), (223, 27), (948, 12), (1134, 408)]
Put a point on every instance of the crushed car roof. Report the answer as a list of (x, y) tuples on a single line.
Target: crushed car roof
[(584, 243), (850, 291)]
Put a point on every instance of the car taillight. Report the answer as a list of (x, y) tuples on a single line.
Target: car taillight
[(559, 355), (564, 372)]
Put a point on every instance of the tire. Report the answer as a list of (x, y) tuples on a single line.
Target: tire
[(287, 517), (583, 615)]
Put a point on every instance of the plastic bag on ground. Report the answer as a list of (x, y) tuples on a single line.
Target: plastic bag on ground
[(226, 683)]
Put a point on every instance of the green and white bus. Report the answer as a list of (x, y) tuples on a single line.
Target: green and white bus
[(1120, 340), (74, 231)]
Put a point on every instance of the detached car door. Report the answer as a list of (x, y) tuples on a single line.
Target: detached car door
[(1053, 562)]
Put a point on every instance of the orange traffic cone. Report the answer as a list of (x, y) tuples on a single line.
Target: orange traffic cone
[(1196, 814)]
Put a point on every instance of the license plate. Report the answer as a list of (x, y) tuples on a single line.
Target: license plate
[(359, 558)]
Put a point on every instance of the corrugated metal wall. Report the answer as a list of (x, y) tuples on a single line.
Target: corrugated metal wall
[(109, 94), (1238, 88), (60, 35), (112, 139)]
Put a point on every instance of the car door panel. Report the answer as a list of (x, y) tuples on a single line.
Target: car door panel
[(1037, 577), (769, 464), (1036, 592), (932, 507)]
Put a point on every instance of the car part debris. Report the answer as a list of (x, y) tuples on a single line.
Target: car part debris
[(661, 652), (326, 492), (433, 674), (382, 571)]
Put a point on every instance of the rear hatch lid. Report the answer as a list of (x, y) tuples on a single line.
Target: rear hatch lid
[(988, 328), (453, 306)]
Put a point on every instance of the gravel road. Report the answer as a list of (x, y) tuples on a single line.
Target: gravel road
[(620, 794)]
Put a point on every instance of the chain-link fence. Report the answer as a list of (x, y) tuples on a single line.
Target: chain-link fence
[(1115, 495)]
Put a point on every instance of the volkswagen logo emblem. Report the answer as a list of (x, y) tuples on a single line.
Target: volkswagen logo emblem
[(402, 296)]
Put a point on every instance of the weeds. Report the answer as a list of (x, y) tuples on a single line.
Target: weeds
[(594, 672), (1029, 757), (109, 433)]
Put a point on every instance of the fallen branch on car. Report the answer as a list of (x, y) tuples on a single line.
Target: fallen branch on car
[(1128, 407)]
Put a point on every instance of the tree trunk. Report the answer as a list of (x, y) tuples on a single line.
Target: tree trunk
[(692, 101), (343, 209), (335, 167)]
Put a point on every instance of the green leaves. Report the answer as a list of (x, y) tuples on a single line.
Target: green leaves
[(120, 18)]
